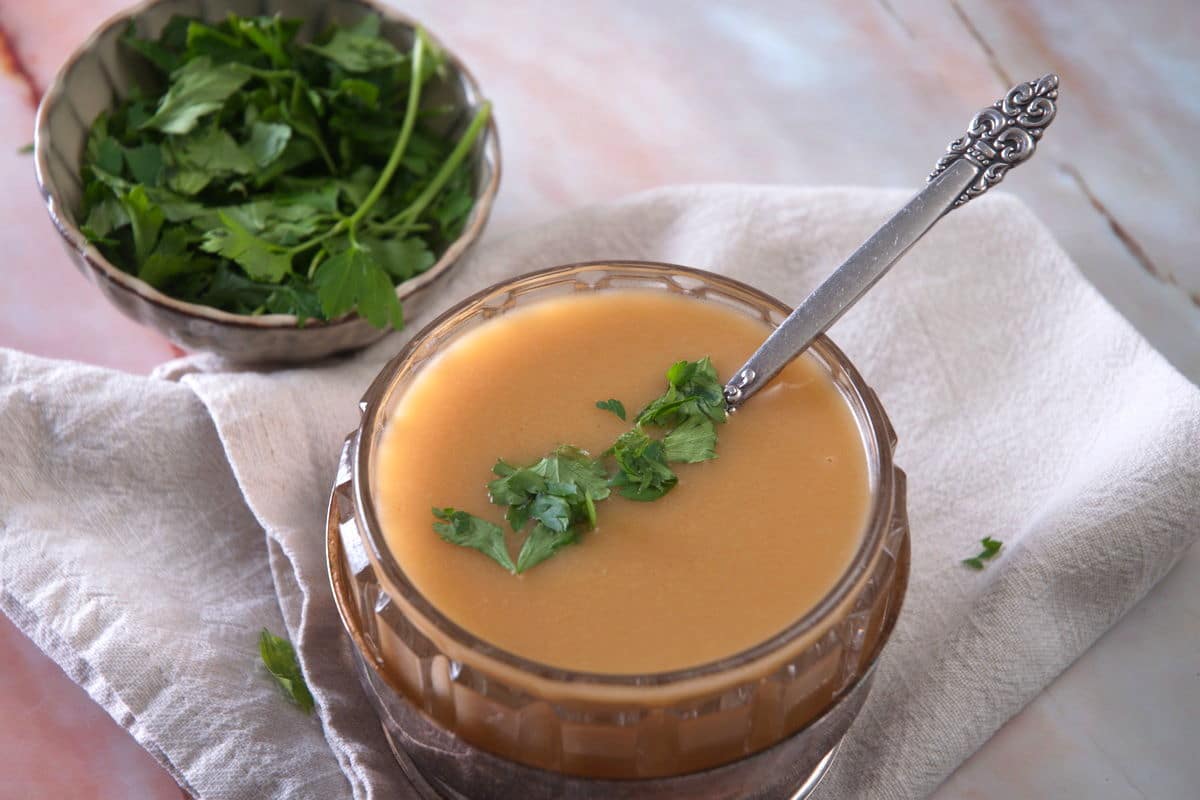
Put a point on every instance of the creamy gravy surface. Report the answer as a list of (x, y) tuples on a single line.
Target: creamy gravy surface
[(742, 547)]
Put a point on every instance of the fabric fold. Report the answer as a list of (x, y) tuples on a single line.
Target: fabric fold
[(133, 510)]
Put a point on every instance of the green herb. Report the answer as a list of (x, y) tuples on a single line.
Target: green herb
[(690, 409), (642, 471), (615, 406), (198, 88), (259, 174), (467, 530), (557, 491), (280, 659), (693, 440), (558, 494), (25, 149), (990, 548)]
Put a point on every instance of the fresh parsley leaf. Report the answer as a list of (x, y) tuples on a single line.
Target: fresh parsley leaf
[(356, 52), (990, 548), (693, 390), (353, 278), (227, 287), (187, 181), (213, 152), (402, 258), (615, 406), (108, 156), (468, 530), (301, 113), (452, 206), (278, 219), (543, 542), (643, 473), (146, 219), (170, 259), (693, 403), (106, 214), (271, 35), (25, 149), (570, 465), (267, 142), (261, 259), (321, 196), (559, 491), (552, 509), (175, 208), (156, 53), (364, 92), (145, 163), (515, 487), (198, 88), (693, 440), (280, 660)]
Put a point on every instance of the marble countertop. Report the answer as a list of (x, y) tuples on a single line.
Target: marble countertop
[(597, 99)]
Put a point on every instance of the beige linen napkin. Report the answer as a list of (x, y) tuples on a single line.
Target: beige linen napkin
[(132, 509)]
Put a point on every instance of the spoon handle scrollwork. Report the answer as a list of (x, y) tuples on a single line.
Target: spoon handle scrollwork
[(1003, 135), (999, 137)]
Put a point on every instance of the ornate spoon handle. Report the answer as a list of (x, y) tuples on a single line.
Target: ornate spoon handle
[(998, 138)]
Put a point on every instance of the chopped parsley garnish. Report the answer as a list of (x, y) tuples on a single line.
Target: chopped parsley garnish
[(990, 548), (615, 406), (258, 174), (642, 471), (558, 494), (694, 391), (467, 530), (280, 660)]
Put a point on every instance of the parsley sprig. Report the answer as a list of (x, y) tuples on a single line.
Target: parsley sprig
[(990, 548), (263, 175), (613, 405), (280, 660), (558, 494), (689, 412)]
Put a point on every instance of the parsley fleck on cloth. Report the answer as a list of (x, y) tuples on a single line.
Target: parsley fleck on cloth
[(132, 509)]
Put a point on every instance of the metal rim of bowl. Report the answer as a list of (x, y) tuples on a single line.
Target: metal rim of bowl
[(70, 232)]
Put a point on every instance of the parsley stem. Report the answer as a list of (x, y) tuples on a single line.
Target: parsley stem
[(335, 230), (406, 129), (313, 136), (312, 267), (265, 74), (447, 169)]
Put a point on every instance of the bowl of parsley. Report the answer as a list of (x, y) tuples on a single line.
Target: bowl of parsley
[(272, 182)]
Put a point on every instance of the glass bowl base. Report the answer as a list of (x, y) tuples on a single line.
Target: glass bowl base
[(441, 766), (426, 790)]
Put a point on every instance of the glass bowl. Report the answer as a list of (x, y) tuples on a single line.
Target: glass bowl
[(466, 717), (100, 71)]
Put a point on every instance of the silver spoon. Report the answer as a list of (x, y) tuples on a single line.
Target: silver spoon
[(999, 137)]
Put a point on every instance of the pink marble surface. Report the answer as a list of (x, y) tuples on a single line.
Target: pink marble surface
[(599, 99), (56, 743)]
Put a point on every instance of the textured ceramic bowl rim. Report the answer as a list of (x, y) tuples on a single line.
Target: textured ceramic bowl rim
[(114, 274), (881, 474)]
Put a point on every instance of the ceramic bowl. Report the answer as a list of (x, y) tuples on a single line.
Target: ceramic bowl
[(101, 71)]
